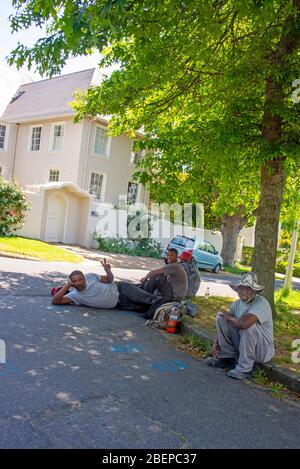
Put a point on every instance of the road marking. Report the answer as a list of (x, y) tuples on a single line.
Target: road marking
[(169, 365), (127, 348)]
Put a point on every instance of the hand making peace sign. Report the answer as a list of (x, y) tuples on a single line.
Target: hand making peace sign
[(105, 265)]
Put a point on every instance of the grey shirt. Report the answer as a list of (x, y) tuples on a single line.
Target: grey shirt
[(96, 293), (177, 278), (261, 308)]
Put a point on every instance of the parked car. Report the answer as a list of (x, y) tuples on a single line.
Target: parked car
[(204, 253)]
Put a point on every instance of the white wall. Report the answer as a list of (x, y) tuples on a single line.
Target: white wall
[(116, 167), (33, 220), (32, 168), (248, 235)]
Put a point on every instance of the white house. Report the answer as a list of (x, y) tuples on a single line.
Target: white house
[(66, 169)]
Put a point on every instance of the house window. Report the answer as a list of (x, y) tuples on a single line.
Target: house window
[(57, 137), (36, 138), (96, 185), (53, 175), (132, 192), (136, 156), (101, 140), (2, 136)]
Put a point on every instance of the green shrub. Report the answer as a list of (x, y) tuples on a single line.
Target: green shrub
[(247, 255), (146, 247), (282, 265), (13, 205)]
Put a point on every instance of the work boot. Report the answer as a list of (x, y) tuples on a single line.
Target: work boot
[(220, 362)]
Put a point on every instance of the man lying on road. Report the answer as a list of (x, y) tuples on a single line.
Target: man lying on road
[(245, 332), (102, 292)]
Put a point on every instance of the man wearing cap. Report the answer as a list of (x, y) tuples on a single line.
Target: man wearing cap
[(192, 272), (245, 331)]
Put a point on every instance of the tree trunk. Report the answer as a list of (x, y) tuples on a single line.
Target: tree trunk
[(272, 172), (267, 222), (231, 226)]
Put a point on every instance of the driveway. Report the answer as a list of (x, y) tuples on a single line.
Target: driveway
[(76, 377)]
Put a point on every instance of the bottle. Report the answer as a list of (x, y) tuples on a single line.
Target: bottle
[(172, 323), (207, 293)]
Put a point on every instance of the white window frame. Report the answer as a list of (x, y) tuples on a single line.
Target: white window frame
[(54, 169), (30, 138), (108, 144), (137, 193), (131, 161), (51, 139), (103, 192), (6, 136)]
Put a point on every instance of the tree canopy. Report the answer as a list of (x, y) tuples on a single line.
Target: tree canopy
[(217, 76)]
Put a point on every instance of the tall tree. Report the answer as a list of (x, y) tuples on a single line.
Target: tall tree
[(234, 58)]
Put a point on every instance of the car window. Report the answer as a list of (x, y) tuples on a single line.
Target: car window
[(189, 243), (176, 241), (202, 247), (210, 248)]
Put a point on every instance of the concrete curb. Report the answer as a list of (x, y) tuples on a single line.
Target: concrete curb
[(289, 379)]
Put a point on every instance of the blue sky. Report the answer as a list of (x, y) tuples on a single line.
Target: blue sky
[(9, 41)]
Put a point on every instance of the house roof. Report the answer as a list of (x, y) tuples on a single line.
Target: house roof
[(47, 98)]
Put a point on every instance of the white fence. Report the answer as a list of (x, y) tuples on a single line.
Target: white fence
[(107, 219)]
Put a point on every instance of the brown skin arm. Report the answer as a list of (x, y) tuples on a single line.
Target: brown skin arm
[(109, 277), (153, 273), (60, 298), (242, 323)]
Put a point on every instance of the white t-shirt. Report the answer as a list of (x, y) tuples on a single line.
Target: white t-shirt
[(96, 293)]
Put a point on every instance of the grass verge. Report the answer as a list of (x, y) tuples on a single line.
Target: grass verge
[(32, 248)]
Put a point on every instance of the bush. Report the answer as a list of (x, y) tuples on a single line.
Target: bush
[(146, 247), (282, 265), (13, 205), (247, 255)]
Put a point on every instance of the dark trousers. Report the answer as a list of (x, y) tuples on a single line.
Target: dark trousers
[(160, 284), (135, 298)]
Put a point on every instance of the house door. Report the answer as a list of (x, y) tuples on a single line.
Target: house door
[(54, 220)]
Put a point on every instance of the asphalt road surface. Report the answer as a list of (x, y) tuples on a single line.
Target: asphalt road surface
[(75, 377)]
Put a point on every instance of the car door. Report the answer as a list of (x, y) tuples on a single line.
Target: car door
[(201, 256), (211, 255)]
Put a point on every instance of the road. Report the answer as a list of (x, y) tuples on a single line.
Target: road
[(75, 377), (225, 278)]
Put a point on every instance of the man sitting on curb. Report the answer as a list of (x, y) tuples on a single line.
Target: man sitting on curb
[(192, 272), (245, 332), (169, 281)]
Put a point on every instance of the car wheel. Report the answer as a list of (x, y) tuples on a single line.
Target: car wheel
[(217, 269)]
